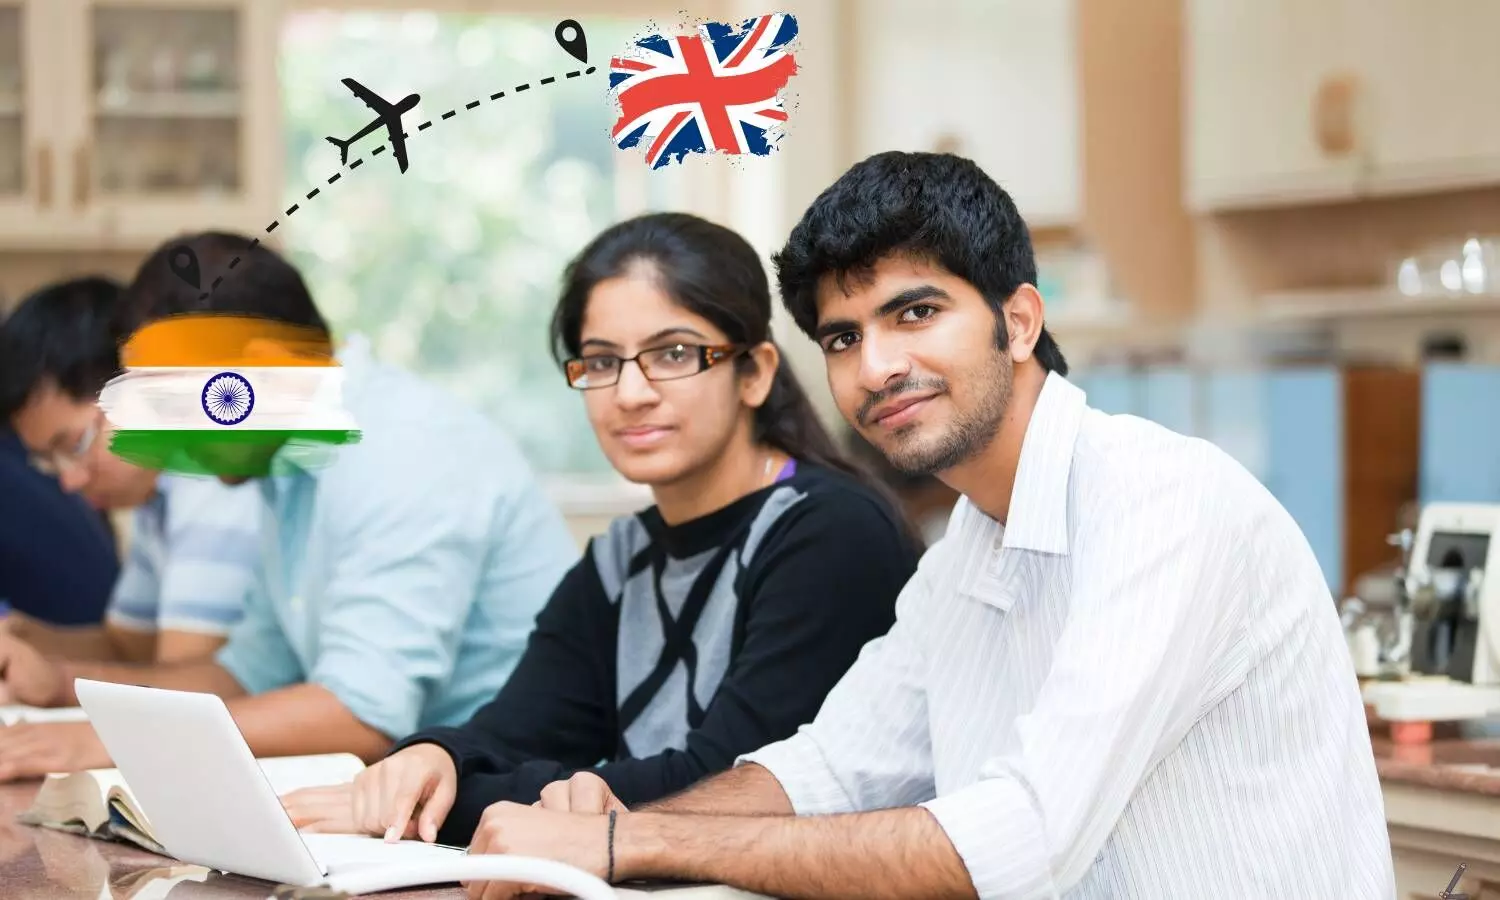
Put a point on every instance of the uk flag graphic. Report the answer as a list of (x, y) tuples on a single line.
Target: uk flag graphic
[(717, 90)]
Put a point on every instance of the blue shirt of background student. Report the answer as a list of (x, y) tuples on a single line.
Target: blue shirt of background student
[(194, 553), (406, 576), (58, 562)]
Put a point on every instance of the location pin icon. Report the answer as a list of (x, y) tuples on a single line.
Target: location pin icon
[(184, 264), (570, 37)]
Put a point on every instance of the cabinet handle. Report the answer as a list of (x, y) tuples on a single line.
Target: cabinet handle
[(44, 175), (81, 176), (1334, 125)]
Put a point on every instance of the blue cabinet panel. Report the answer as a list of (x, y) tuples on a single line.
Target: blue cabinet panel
[(1169, 398), (1305, 442), (1460, 433), (1111, 389), (1233, 416)]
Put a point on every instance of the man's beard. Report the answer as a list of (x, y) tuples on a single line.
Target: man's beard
[(970, 432)]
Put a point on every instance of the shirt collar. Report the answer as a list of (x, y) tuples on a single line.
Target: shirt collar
[(354, 356), (1038, 518)]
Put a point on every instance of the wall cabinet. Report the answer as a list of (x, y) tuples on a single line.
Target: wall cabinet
[(1460, 434), (1291, 101), (123, 122), (999, 84)]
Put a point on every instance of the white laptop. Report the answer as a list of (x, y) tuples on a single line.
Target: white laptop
[(193, 776)]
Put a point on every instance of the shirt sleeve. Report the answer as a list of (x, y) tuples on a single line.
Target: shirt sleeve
[(1128, 679), (135, 601), (867, 747), (256, 652), (211, 551), (405, 564)]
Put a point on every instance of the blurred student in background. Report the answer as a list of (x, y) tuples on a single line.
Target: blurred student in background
[(58, 561), (192, 540), (703, 627), (395, 587)]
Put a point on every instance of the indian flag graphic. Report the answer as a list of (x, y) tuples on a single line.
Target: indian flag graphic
[(236, 396)]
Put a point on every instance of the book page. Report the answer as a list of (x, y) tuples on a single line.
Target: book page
[(290, 773), (341, 852), (17, 714)]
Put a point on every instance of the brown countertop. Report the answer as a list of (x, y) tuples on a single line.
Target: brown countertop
[(1448, 764), (40, 864)]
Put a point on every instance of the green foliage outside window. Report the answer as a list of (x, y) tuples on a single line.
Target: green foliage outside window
[(451, 270)]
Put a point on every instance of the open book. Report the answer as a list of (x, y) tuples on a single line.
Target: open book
[(96, 803)]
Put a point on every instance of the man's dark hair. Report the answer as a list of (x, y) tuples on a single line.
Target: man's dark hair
[(935, 207), (66, 333), (256, 281)]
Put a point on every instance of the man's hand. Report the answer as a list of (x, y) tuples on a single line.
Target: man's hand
[(585, 792), (28, 677), (578, 839), (327, 809), (33, 750), (385, 797)]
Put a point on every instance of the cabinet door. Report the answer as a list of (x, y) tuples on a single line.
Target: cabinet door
[(1305, 471), (992, 71), (28, 145), (1254, 69), (1169, 398), (1233, 416), (173, 115), (1431, 69), (1460, 434), (1110, 389)]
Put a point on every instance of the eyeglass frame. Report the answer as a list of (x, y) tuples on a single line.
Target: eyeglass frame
[(54, 462), (709, 355)]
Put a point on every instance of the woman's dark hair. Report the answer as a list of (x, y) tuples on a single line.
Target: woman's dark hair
[(712, 272), (936, 207)]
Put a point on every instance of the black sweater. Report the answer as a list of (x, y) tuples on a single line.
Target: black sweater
[(667, 652)]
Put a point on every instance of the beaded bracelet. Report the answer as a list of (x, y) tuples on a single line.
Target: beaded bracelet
[(610, 878)]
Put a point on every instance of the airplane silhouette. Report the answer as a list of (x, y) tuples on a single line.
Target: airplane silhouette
[(387, 114)]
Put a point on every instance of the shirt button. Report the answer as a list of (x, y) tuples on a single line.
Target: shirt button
[(296, 604)]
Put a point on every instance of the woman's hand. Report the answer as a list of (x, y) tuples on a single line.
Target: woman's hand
[(388, 795)]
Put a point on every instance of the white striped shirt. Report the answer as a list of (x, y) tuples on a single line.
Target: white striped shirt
[(1138, 687)]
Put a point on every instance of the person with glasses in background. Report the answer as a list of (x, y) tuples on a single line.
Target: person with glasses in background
[(191, 542), (701, 628), (394, 587)]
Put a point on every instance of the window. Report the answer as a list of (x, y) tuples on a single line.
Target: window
[(452, 269)]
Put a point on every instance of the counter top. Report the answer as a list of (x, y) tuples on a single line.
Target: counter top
[(1472, 767)]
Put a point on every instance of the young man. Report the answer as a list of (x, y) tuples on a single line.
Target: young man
[(1119, 674), (396, 587), (192, 540)]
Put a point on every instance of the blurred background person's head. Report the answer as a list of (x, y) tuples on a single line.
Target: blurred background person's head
[(58, 348)]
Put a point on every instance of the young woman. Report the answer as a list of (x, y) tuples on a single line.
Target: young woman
[(710, 624)]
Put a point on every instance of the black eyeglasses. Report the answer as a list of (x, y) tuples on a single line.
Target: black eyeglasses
[(593, 371)]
